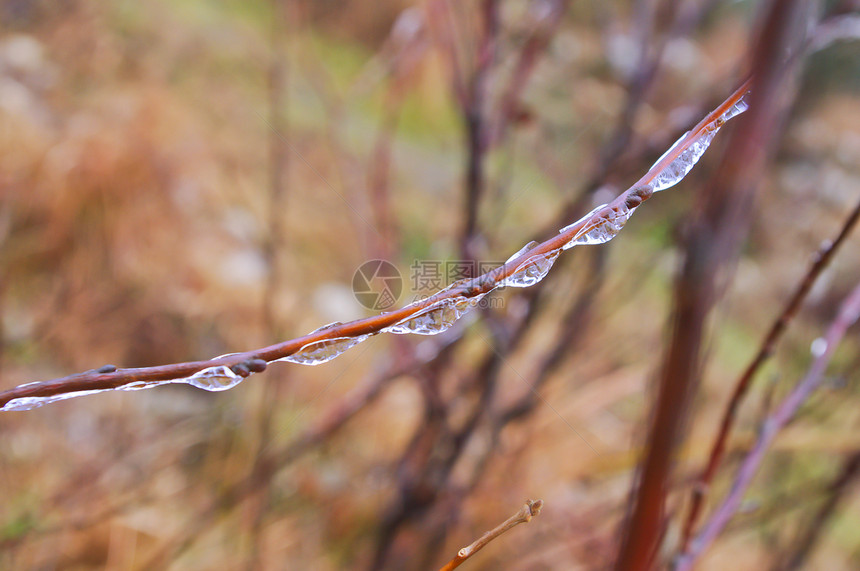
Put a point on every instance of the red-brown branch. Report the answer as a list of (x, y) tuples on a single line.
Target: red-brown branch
[(847, 316), (822, 259)]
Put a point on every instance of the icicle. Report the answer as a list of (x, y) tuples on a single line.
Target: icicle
[(684, 163), (737, 108), (672, 148), (580, 221), (602, 229), (218, 378), (532, 270), (323, 351), (29, 403), (522, 251), (678, 169), (432, 320), (327, 326)]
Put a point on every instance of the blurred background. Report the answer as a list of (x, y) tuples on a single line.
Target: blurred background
[(180, 180)]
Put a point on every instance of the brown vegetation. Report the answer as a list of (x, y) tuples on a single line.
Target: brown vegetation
[(180, 181)]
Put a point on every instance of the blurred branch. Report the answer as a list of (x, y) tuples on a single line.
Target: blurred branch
[(847, 316), (574, 327), (805, 543), (474, 117), (267, 464), (444, 307), (720, 224), (275, 242), (821, 260), (525, 515)]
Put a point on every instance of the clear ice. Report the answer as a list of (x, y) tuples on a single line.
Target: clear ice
[(218, 378), (319, 352), (683, 164), (522, 251), (599, 227), (532, 270), (432, 320), (29, 403)]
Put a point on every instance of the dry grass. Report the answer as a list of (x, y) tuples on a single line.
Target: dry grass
[(133, 196)]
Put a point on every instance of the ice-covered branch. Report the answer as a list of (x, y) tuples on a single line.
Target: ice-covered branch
[(426, 317)]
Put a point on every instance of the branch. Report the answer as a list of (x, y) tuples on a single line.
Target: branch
[(530, 509), (717, 230), (805, 543), (847, 316), (430, 316), (821, 260)]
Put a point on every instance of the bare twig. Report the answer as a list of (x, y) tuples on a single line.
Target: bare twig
[(474, 120), (822, 259), (847, 316), (530, 509), (717, 231), (804, 544)]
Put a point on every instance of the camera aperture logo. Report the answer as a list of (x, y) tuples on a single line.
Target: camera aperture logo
[(377, 285)]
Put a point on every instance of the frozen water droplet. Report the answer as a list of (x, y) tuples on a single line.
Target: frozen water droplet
[(737, 108), (532, 270), (672, 148), (678, 169), (522, 251), (224, 355), (140, 385), (818, 347), (329, 326), (323, 351), (218, 378), (684, 163), (432, 320), (602, 228), (580, 221), (464, 305), (29, 403)]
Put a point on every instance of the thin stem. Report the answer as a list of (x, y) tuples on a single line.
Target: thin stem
[(822, 259), (530, 509), (722, 222), (847, 316)]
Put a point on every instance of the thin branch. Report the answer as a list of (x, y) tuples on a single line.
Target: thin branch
[(821, 260), (805, 543), (474, 122), (721, 223), (530, 509), (455, 299), (847, 316)]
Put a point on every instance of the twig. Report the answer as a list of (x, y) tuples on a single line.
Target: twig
[(717, 232), (822, 259), (805, 543), (248, 362), (530, 509), (474, 122), (278, 76), (847, 316)]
